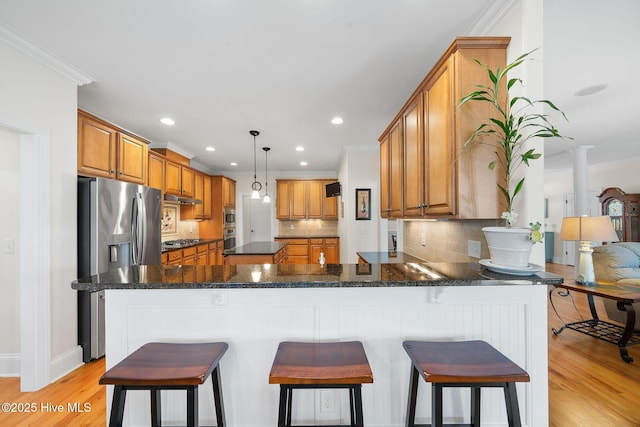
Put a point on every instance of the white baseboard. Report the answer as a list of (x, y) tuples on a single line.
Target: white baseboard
[(65, 363), (9, 365)]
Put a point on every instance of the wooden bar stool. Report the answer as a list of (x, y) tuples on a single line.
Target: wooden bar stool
[(166, 366), (473, 364), (300, 365)]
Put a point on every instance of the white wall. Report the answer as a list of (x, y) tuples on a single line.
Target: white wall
[(41, 99), (9, 263), (360, 168)]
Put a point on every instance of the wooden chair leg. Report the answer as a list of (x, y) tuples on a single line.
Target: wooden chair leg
[(117, 406), (413, 395), (217, 397)]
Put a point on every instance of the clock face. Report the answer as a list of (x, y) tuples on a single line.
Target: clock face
[(615, 208)]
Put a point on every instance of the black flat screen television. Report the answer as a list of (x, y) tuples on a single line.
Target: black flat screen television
[(333, 189)]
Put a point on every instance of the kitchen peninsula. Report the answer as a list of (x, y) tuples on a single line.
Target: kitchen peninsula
[(254, 307)]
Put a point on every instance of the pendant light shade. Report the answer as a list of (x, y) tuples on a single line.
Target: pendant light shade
[(266, 198), (256, 186)]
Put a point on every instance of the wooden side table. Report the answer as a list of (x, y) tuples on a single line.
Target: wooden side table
[(623, 295)]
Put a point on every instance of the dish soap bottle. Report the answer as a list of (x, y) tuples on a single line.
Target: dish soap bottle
[(321, 259)]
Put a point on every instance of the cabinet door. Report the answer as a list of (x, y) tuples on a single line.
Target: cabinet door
[(198, 193), (96, 148), (413, 158), (439, 182), (172, 178), (330, 204), (155, 176), (315, 199), (316, 246), (298, 192), (283, 200), (229, 193), (188, 181), (133, 157), (385, 182), (332, 250), (396, 161), (206, 197)]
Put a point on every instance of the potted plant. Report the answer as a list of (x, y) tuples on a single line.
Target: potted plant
[(508, 131)]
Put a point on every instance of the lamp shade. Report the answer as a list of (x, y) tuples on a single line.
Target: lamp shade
[(588, 228)]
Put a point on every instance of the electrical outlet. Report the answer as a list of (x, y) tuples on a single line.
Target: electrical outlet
[(291, 226), (8, 246), (327, 401), (473, 248), (423, 239)]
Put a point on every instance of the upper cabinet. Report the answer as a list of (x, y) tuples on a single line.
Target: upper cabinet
[(624, 210), (104, 151), (228, 193), (156, 164), (202, 192), (424, 171), (304, 199)]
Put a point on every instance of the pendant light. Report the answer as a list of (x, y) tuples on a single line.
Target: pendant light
[(256, 186), (266, 199)]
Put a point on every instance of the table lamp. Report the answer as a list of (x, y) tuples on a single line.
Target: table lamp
[(586, 229)]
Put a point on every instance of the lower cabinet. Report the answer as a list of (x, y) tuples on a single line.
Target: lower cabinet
[(307, 250)]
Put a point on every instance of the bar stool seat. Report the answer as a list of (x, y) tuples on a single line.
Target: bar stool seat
[(473, 364), (299, 365), (167, 366)]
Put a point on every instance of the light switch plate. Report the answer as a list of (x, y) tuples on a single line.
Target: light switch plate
[(8, 246)]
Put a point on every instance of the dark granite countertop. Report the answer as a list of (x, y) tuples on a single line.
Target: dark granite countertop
[(256, 248), (186, 243), (388, 257), (306, 276), (309, 236)]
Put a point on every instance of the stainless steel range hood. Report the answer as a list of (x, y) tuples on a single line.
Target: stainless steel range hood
[(182, 200)]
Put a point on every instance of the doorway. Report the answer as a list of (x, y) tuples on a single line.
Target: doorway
[(256, 220)]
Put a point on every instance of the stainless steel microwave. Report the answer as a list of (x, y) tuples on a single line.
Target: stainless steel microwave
[(229, 217)]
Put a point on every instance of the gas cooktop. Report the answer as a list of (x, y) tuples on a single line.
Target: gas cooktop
[(180, 243)]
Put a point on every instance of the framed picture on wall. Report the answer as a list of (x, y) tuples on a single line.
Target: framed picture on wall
[(170, 220), (363, 203)]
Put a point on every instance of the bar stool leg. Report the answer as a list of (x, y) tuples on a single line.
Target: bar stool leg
[(357, 390), (413, 395), (117, 406), (436, 405), (282, 406), (511, 401), (156, 407), (192, 406), (352, 408), (475, 406), (217, 397)]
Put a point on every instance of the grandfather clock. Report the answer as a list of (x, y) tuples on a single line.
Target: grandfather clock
[(623, 209)]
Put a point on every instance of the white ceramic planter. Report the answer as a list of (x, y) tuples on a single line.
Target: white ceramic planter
[(509, 247)]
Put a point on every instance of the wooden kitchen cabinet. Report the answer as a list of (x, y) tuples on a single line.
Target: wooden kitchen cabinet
[(440, 176), (202, 254), (179, 180), (155, 176), (391, 172), (174, 257), (304, 199), (297, 250), (202, 192), (228, 192), (329, 246), (189, 255), (216, 250), (105, 151)]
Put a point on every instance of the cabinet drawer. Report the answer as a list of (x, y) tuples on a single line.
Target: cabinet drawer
[(212, 246), (187, 252), (202, 248), (175, 255), (298, 250), (331, 241), (316, 241)]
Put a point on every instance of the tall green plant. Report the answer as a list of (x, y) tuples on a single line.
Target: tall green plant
[(510, 129)]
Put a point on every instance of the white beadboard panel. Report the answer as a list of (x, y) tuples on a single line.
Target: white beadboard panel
[(254, 321)]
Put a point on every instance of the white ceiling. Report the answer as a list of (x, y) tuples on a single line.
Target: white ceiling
[(220, 68)]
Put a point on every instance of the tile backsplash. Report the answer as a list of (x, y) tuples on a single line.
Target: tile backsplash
[(307, 227), (446, 241)]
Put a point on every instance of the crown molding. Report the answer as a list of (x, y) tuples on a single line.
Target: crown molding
[(12, 38), (173, 147), (492, 15)]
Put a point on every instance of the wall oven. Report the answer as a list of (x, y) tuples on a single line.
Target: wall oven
[(229, 218), (229, 237)]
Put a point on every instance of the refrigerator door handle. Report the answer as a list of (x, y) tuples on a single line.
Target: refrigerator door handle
[(135, 225)]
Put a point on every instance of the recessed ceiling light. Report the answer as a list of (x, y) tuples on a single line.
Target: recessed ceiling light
[(590, 90), (167, 121), (210, 149), (303, 163), (299, 148), (233, 164), (337, 120)]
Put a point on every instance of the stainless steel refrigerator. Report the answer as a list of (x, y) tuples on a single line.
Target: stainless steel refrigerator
[(119, 224)]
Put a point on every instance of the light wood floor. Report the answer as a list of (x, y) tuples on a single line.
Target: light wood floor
[(589, 384)]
